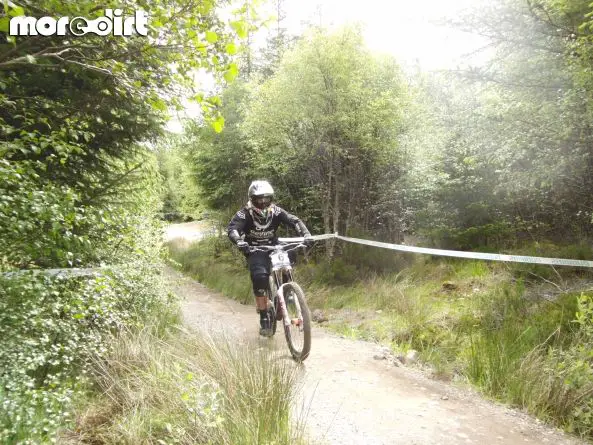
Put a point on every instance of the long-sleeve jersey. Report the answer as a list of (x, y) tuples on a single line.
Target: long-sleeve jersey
[(244, 223)]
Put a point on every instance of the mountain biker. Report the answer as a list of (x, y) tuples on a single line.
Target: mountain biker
[(255, 225)]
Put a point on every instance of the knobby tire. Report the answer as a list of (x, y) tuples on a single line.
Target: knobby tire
[(298, 354)]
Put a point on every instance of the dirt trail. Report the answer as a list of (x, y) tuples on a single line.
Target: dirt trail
[(189, 231), (353, 398)]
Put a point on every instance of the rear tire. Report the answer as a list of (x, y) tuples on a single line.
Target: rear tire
[(297, 337)]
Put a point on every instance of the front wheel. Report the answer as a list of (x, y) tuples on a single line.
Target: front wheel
[(272, 304), (298, 331)]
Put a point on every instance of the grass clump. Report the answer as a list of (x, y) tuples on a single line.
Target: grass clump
[(542, 364), (520, 333), (51, 328), (185, 388), (215, 264)]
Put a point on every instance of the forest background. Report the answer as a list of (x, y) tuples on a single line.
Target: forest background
[(493, 157)]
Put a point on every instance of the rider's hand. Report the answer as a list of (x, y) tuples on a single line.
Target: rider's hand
[(243, 246), (308, 241)]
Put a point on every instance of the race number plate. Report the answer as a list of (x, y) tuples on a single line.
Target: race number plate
[(280, 259)]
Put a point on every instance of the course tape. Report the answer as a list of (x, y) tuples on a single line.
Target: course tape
[(72, 272), (473, 255), (454, 253), (400, 247), (315, 237)]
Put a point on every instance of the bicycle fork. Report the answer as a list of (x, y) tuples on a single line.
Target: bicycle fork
[(285, 317)]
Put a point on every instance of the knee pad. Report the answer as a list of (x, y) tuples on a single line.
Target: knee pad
[(260, 284)]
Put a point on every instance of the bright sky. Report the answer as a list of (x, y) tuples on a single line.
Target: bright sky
[(407, 29)]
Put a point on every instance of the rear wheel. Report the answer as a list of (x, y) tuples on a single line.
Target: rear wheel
[(298, 332)]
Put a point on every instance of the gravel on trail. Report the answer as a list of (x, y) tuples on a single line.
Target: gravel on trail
[(353, 392)]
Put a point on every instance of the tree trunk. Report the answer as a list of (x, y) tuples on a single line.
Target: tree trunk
[(336, 209), (327, 214)]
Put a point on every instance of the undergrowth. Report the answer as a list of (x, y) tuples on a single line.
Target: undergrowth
[(51, 328), (186, 388), (521, 333)]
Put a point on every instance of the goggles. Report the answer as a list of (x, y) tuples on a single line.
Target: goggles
[(262, 201)]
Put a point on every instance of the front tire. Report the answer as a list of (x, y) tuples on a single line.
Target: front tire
[(273, 306), (298, 336)]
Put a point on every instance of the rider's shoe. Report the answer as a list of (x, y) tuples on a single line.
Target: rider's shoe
[(265, 332)]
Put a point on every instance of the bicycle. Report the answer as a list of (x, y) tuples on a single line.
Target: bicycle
[(286, 300)]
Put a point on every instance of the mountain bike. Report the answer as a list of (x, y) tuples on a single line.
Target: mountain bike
[(286, 300)]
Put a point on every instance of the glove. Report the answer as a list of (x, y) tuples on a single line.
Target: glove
[(308, 240), (243, 246)]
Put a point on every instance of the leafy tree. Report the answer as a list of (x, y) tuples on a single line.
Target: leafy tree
[(74, 109), (79, 187), (325, 125), (278, 42), (515, 135), (180, 190), (220, 161)]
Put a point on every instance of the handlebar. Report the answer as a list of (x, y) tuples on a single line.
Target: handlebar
[(286, 247)]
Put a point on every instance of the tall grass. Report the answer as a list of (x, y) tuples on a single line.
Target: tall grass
[(186, 388), (215, 264), (508, 329)]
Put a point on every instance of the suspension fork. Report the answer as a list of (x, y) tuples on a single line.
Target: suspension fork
[(285, 318)]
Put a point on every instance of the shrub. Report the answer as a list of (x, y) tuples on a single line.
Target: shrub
[(51, 327), (186, 388)]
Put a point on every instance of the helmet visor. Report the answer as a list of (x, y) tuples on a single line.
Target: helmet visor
[(261, 202)]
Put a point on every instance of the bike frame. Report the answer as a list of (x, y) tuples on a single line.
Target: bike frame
[(281, 266)]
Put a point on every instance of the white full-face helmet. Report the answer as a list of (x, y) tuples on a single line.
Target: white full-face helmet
[(261, 195)]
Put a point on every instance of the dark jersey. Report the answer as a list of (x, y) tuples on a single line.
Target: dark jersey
[(263, 232)]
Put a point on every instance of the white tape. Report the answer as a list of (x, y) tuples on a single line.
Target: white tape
[(400, 247), (454, 253), (314, 238), (474, 255), (73, 272)]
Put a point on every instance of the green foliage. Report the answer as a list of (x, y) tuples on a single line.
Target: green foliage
[(48, 224), (69, 123), (181, 193), (52, 328), (187, 389), (218, 161), (182, 38), (216, 264), (493, 234), (584, 316), (366, 262), (336, 272), (337, 112), (493, 165), (72, 122), (581, 251), (575, 367), (552, 376), (79, 187)]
